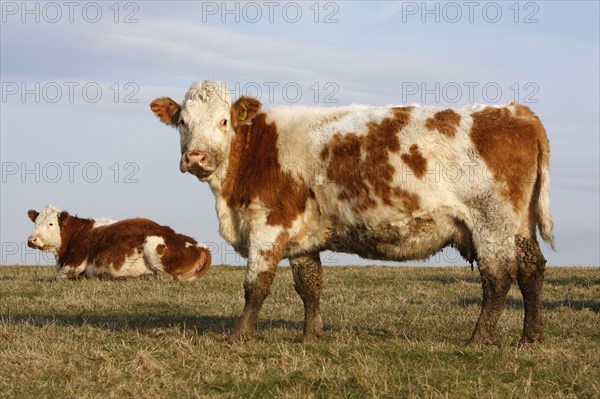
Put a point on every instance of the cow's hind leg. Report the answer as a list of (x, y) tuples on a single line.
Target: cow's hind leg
[(497, 266), (154, 247), (530, 275), (308, 281)]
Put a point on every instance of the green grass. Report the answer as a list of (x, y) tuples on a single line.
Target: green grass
[(389, 332)]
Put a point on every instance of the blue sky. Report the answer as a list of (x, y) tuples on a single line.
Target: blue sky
[(76, 130)]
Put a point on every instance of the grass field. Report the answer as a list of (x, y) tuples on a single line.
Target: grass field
[(389, 332)]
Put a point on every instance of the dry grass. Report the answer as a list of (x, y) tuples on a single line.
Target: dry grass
[(390, 332)]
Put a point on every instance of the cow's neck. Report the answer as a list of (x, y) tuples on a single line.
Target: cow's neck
[(225, 215), (250, 158), (72, 232)]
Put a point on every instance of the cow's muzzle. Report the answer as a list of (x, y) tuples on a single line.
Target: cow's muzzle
[(199, 163), (32, 242)]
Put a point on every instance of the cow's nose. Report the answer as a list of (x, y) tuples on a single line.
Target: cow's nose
[(32, 240), (198, 158)]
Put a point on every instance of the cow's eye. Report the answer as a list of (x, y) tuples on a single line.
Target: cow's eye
[(224, 122), (51, 224)]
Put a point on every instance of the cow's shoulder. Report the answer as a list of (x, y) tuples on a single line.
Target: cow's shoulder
[(76, 241)]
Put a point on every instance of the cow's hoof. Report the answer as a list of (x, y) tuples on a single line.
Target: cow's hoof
[(480, 342), (310, 338), (237, 338), (313, 335), (527, 340)]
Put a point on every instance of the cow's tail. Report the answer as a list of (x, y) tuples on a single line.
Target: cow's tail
[(204, 262), (544, 218)]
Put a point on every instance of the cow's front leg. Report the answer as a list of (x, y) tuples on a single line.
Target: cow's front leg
[(263, 257), (308, 280)]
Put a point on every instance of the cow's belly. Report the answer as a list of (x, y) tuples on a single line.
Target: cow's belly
[(133, 266), (415, 239)]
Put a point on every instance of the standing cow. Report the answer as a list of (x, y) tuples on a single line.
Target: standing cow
[(392, 183), (104, 248)]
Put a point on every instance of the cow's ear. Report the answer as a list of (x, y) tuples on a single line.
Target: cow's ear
[(167, 110), (244, 110), (62, 217), (32, 215)]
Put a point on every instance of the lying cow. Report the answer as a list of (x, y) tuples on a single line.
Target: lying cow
[(104, 248), (391, 183)]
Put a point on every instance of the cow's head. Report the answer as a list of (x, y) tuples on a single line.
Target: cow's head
[(46, 234), (206, 121)]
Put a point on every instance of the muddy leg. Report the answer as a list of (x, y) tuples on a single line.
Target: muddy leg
[(530, 275), (308, 279), (497, 274), (255, 294)]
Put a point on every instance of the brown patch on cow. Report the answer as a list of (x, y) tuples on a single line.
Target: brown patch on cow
[(254, 172), (415, 161), (445, 122), (511, 146), (410, 201), (360, 164), (523, 111), (108, 247), (166, 109)]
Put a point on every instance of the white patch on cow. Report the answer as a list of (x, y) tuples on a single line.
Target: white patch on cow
[(262, 239), (133, 266), (308, 231), (292, 125), (102, 222), (153, 258), (47, 230), (228, 226), (199, 245)]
